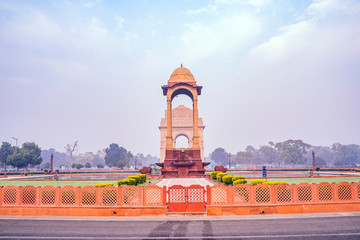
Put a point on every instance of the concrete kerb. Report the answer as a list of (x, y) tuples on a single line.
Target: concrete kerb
[(185, 218)]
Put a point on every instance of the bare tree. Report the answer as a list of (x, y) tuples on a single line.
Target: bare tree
[(70, 149)]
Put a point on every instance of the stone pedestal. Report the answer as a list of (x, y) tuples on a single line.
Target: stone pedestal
[(183, 163)]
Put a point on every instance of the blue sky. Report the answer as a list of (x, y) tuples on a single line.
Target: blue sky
[(92, 71)]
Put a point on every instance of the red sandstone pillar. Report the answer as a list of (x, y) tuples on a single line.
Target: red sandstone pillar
[(169, 139)]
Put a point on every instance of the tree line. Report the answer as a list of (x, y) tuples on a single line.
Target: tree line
[(20, 157), (30, 155), (290, 153)]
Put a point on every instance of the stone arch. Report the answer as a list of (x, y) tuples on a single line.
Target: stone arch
[(181, 135), (182, 120)]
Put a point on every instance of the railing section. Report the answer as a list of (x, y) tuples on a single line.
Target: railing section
[(89, 196), (281, 194), (242, 194)]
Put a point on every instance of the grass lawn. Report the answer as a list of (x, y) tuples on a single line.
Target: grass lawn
[(316, 180), (312, 180), (60, 183)]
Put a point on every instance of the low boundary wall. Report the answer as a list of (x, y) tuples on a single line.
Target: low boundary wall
[(241, 199)]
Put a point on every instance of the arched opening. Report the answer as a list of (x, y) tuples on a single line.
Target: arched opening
[(181, 141), (182, 99)]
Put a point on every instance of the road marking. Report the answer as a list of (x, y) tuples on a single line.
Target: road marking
[(287, 236)]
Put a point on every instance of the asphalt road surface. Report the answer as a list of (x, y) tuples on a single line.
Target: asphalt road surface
[(337, 226)]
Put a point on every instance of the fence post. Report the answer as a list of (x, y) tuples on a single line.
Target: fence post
[(38, 196), (315, 192), (1, 195), (142, 196), (295, 194), (78, 196), (335, 192), (252, 194), (58, 196), (120, 196), (230, 194), (273, 194), (19, 195), (164, 195), (208, 200), (354, 194), (98, 196)]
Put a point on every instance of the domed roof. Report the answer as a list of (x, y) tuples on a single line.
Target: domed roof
[(181, 74)]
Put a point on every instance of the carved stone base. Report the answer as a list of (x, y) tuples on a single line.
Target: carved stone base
[(183, 163)]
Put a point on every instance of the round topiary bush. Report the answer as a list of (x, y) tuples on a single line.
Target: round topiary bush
[(103, 184), (239, 181), (137, 179), (142, 177), (257, 181), (227, 179), (275, 182), (127, 181), (213, 174), (237, 178), (221, 174)]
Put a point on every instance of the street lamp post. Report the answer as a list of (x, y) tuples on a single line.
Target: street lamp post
[(16, 140), (313, 155), (229, 160)]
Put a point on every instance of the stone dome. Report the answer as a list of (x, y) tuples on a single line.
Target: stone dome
[(181, 74)]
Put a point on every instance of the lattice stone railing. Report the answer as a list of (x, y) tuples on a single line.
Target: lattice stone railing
[(130, 196), (82, 196), (263, 194)]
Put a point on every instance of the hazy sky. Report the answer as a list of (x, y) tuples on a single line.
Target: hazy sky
[(92, 71)]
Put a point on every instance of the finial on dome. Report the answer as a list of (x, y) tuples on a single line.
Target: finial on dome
[(181, 65)]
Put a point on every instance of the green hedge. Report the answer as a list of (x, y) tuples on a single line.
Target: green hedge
[(103, 184), (357, 169), (239, 181), (257, 181), (213, 174), (237, 178), (274, 182), (137, 179), (127, 181), (228, 179), (221, 174), (142, 177)]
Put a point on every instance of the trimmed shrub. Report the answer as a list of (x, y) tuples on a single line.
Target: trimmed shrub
[(237, 178), (228, 179), (127, 181), (274, 182), (221, 174), (239, 181), (213, 174), (103, 184), (257, 181), (317, 169), (357, 169), (142, 177), (137, 179), (132, 181)]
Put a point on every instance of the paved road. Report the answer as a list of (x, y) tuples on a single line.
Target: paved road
[(184, 182), (337, 226)]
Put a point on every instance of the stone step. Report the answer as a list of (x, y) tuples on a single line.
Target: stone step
[(186, 214)]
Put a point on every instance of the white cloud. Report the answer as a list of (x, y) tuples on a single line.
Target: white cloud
[(227, 32), (312, 35), (293, 38), (255, 3), (207, 9), (119, 21), (91, 4)]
